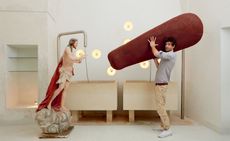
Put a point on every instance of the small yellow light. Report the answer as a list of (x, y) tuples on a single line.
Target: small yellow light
[(144, 64), (111, 71), (128, 26), (126, 41), (96, 53), (80, 53), (159, 60)]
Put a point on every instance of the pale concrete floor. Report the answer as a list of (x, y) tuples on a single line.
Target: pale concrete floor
[(138, 131)]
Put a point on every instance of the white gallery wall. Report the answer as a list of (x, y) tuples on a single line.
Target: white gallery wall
[(103, 20), (27, 22), (39, 22), (225, 81), (207, 66)]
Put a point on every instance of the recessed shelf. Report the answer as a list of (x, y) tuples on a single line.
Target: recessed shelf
[(20, 106), (24, 71), (22, 76), (21, 57)]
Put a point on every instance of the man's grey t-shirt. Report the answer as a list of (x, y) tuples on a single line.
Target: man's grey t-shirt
[(165, 67)]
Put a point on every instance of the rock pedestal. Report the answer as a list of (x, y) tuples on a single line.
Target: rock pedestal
[(51, 121)]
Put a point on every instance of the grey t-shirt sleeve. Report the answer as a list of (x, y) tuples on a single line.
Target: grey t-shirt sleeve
[(165, 55)]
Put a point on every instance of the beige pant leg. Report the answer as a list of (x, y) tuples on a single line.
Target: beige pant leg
[(160, 91)]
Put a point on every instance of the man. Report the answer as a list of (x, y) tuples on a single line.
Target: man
[(56, 92), (164, 68)]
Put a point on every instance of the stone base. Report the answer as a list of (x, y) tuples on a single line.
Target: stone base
[(64, 134), (53, 122)]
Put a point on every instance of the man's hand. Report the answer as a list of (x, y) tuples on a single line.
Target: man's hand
[(152, 41)]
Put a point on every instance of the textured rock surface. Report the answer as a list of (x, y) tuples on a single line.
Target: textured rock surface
[(53, 122)]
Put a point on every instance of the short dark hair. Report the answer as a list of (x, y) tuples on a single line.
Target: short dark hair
[(72, 41), (170, 39)]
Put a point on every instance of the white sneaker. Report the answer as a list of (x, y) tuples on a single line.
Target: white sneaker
[(165, 133)]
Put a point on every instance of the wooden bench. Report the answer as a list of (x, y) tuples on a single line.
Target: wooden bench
[(92, 96)]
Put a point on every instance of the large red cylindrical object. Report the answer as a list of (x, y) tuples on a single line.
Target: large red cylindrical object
[(187, 29)]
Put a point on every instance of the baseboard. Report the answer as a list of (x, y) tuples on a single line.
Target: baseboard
[(225, 130), (214, 127)]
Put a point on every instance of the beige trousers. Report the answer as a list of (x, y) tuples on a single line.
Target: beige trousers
[(160, 91)]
